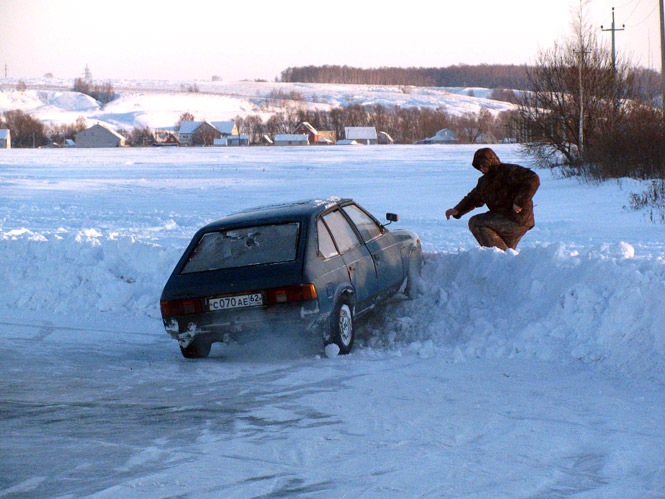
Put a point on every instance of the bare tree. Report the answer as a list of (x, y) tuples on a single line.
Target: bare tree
[(186, 116), (574, 95), (141, 136), (26, 130), (60, 132)]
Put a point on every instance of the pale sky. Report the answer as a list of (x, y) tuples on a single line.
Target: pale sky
[(252, 39)]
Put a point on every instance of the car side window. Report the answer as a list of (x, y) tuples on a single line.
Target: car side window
[(342, 232), (326, 245), (366, 225)]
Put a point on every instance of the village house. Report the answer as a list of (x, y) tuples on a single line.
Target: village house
[(361, 134), (306, 129), (206, 133), (99, 136), (315, 136), (232, 140), (326, 137), (5, 138), (197, 133), (226, 128), (443, 136), (165, 138), (291, 139), (384, 138)]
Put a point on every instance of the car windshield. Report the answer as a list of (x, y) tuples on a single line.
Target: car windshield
[(245, 246)]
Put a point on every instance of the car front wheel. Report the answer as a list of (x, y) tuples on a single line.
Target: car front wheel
[(414, 274), (199, 348), (341, 322)]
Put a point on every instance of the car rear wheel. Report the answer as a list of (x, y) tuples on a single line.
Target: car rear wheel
[(199, 348), (341, 321)]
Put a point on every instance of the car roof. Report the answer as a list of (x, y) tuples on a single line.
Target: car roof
[(297, 210)]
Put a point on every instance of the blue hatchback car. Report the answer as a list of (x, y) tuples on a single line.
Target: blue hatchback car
[(313, 265)]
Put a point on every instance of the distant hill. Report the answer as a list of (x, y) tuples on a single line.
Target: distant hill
[(484, 75), (159, 104)]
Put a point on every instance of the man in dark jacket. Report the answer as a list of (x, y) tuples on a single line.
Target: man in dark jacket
[(507, 191)]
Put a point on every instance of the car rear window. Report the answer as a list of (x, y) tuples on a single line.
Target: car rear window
[(245, 246)]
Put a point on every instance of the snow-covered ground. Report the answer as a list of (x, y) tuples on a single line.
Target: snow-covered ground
[(535, 373)]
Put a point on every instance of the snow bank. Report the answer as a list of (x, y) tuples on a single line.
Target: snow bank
[(600, 306), (46, 101), (82, 273)]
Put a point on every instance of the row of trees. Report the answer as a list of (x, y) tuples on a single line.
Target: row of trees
[(586, 112), (27, 131), (102, 92), (404, 125), (483, 75), (494, 76), (597, 115)]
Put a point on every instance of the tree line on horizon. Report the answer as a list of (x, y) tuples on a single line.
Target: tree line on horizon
[(492, 76), (482, 75)]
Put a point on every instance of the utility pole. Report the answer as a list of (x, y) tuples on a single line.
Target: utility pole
[(614, 30), (662, 53)]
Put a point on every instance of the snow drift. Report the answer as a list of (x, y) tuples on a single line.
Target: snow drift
[(601, 306)]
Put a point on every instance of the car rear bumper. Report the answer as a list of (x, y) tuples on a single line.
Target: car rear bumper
[(230, 325)]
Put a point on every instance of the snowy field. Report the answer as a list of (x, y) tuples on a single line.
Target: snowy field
[(532, 373)]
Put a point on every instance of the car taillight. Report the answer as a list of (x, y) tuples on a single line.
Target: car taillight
[(289, 294), (188, 306)]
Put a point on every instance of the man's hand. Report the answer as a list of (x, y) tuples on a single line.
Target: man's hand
[(452, 212), (516, 208)]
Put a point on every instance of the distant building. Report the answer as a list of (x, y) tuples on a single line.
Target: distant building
[(198, 133), (486, 138), (232, 140), (291, 139), (307, 129), (443, 136), (5, 138), (99, 136), (361, 134), (226, 128), (384, 138), (165, 138), (326, 137), (316, 136)]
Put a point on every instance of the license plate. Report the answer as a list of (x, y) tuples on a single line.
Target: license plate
[(237, 301)]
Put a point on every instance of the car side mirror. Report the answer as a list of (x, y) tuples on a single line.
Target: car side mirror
[(392, 217)]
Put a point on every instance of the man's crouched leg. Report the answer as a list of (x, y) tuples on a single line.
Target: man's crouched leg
[(494, 230)]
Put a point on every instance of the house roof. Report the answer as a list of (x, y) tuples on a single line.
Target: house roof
[(445, 133), (189, 126), (360, 132), (105, 128), (308, 127), (291, 137), (226, 127)]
